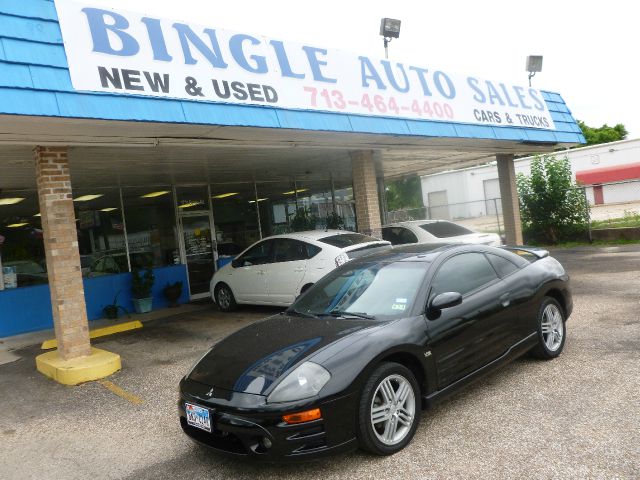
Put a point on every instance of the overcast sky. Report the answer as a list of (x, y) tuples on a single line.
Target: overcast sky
[(589, 48)]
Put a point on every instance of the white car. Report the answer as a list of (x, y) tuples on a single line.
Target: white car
[(275, 270), (435, 231)]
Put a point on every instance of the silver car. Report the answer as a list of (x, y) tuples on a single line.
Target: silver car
[(435, 231)]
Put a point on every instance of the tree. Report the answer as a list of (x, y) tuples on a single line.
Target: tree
[(552, 206), (404, 193), (604, 134)]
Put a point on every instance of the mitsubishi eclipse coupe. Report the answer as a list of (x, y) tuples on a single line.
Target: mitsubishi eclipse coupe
[(356, 358)]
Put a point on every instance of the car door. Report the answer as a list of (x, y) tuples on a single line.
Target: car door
[(469, 335), (284, 274), (248, 279)]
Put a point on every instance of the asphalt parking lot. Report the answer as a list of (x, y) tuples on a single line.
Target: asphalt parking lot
[(574, 417)]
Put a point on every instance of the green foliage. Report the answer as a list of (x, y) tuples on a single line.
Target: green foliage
[(303, 220), (335, 221), (142, 283), (552, 207), (604, 134), (404, 194)]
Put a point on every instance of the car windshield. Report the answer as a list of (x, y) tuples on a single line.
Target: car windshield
[(372, 290), (445, 229), (344, 240)]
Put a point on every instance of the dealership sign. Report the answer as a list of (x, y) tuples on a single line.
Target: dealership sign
[(122, 52)]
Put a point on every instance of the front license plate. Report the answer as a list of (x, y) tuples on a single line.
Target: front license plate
[(198, 417)]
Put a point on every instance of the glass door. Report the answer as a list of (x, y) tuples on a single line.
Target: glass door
[(198, 250), (197, 236)]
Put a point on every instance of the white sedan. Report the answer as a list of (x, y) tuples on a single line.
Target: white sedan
[(275, 270), (435, 231)]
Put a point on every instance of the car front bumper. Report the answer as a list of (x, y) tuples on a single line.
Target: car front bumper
[(244, 426)]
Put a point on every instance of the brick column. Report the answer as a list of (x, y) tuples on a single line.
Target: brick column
[(61, 250), (365, 191), (509, 199)]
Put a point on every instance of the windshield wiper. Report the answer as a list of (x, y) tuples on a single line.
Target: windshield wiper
[(298, 312), (344, 313)]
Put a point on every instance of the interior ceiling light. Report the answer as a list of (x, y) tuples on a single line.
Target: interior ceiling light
[(191, 204), (300, 190), (225, 195), (17, 225), (88, 198), (259, 200), (108, 209), (155, 194), (10, 201)]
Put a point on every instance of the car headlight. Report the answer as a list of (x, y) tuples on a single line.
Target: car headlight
[(304, 382), (198, 361)]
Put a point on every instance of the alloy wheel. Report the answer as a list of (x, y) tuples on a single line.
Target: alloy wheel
[(224, 298), (552, 327), (393, 409)]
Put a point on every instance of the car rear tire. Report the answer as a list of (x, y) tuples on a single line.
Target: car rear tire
[(225, 299), (552, 331), (389, 410)]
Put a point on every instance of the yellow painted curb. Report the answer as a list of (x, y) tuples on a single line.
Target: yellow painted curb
[(98, 365), (99, 332)]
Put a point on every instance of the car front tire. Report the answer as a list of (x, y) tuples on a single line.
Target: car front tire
[(389, 410), (552, 331), (225, 299)]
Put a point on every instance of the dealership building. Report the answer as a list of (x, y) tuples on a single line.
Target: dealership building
[(128, 142)]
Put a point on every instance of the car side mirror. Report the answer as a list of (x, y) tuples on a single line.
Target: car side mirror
[(445, 300), (236, 262)]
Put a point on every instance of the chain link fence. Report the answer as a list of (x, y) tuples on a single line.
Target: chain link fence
[(613, 205)]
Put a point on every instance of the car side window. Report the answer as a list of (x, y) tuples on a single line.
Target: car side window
[(288, 250), (398, 235), (503, 266), (463, 273), (259, 254), (312, 250)]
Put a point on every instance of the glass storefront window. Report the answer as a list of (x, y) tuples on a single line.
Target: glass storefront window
[(235, 217), (100, 228), (21, 243), (151, 226)]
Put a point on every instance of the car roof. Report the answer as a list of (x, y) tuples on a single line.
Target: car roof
[(313, 234), (413, 222)]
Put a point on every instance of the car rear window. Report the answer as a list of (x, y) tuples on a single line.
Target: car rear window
[(445, 229), (345, 240)]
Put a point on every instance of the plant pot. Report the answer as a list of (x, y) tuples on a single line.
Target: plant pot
[(142, 305), (172, 294), (111, 312)]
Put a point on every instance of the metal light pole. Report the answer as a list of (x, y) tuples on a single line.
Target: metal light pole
[(534, 65), (389, 29)]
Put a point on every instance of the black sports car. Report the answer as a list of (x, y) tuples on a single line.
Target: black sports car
[(355, 359)]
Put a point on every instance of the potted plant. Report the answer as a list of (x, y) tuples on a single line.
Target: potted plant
[(141, 285), (334, 221), (172, 292), (111, 311)]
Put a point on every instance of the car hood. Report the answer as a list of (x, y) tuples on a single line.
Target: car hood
[(255, 357)]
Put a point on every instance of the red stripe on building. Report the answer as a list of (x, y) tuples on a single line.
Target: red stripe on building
[(609, 174)]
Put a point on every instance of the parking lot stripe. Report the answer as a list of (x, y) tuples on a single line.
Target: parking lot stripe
[(129, 397)]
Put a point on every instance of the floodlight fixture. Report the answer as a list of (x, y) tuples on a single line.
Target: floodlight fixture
[(389, 29), (534, 65)]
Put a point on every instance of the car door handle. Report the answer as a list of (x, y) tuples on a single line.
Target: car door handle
[(298, 269), (260, 272), (505, 300)]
